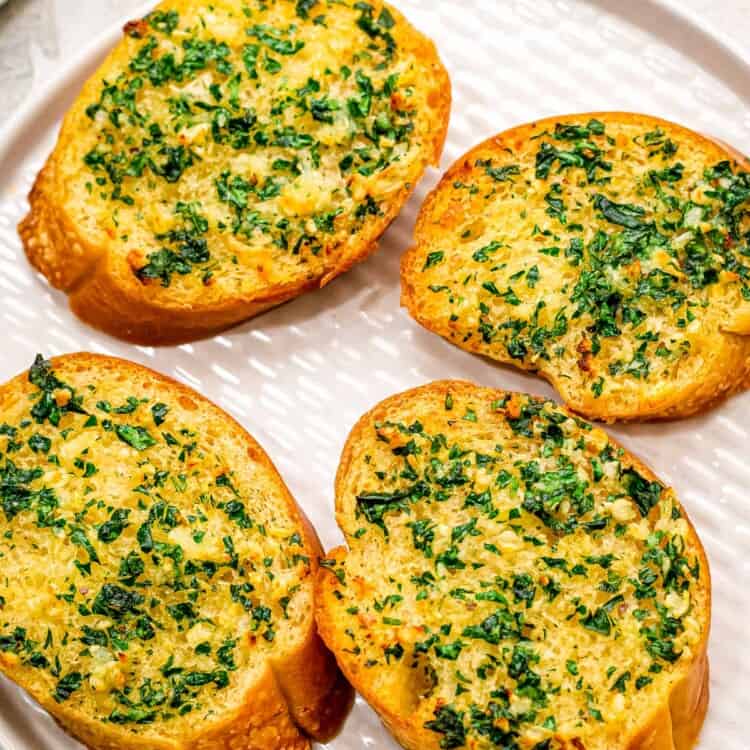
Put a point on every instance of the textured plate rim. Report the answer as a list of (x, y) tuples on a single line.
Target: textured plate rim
[(87, 58)]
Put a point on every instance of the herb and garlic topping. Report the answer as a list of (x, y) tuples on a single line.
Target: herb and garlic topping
[(608, 256), (534, 585), (246, 144), (145, 565)]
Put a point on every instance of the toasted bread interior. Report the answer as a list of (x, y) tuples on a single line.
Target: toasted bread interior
[(513, 579), (607, 252), (153, 565), (239, 150)]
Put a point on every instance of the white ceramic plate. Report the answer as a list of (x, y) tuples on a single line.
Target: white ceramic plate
[(300, 376)]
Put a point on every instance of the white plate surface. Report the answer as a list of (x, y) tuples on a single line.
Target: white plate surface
[(300, 376)]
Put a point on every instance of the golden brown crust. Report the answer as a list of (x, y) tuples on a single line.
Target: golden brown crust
[(44, 231), (730, 370), (263, 722), (300, 694), (106, 294), (318, 696), (675, 726)]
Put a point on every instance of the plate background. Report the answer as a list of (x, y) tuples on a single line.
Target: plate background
[(300, 376)]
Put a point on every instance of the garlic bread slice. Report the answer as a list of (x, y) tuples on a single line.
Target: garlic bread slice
[(157, 577), (608, 252), (229, 156), (513, 579)]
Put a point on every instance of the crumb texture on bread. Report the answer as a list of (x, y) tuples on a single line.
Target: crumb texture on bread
[(607, 252), (513, 579), (157, 578), (228, 156)]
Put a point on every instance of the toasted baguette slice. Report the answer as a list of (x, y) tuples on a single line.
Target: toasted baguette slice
[(157, 577), (513, 579), (228, 156), (607, 252)]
